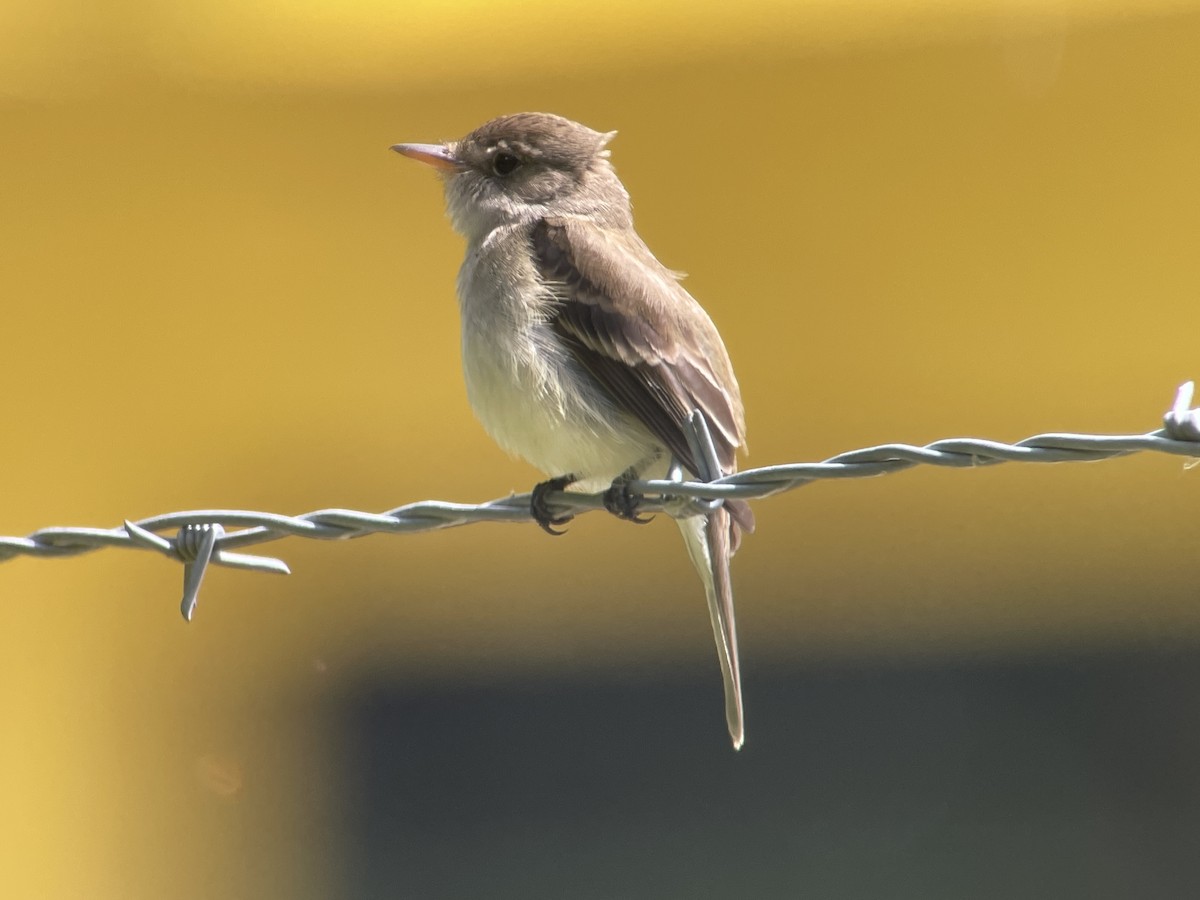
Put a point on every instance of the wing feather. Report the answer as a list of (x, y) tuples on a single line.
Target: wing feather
[(635, 329)]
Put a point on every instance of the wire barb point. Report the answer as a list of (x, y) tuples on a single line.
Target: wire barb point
[(1182, 423), (195, 545), (704, 451)]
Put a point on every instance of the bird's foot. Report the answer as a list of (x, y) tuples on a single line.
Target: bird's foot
[(622, 502), (540, 509)]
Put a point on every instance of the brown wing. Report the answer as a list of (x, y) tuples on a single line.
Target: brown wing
[(641, 336)]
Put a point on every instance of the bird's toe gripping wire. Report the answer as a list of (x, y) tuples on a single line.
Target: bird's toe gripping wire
[(542, 509), (623, 502)]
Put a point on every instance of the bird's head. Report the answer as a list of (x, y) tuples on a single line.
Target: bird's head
[(522, 167)]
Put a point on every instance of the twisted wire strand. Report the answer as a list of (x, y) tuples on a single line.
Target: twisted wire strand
[(203, 536)]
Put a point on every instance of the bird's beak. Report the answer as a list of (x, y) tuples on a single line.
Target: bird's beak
[(437, 155)]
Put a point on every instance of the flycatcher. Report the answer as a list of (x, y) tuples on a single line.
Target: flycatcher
[(582, 353)]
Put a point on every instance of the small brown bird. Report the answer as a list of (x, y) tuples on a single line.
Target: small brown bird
[(582, 353)]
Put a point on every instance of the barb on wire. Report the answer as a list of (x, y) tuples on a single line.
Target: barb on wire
[(204, 537)]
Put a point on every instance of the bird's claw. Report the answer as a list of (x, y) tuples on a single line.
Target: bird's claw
[(539, 508), (623, 503)]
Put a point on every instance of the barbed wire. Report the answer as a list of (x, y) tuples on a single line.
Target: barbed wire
[(202, 536)]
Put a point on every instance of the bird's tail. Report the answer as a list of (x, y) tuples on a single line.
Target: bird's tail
[(708, 539)]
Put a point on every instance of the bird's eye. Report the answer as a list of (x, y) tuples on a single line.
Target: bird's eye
[(504, 164)]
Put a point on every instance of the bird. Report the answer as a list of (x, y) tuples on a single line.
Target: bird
[(581, 352)]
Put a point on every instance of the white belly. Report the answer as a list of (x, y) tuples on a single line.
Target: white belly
[(536, 404)]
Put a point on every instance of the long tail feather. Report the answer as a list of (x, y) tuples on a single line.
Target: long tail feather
[(708, 543)]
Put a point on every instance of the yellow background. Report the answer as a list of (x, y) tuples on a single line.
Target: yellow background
[(910, 221)]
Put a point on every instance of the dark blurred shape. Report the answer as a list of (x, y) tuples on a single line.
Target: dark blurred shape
[(1063, 778)]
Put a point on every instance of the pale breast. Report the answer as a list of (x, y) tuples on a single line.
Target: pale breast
[(525, 388)]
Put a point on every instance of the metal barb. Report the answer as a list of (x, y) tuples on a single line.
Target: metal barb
[(142, 537), (195, 545), (675, 472), (704, 452), (139, 535), (1182, 422), (703, 449)]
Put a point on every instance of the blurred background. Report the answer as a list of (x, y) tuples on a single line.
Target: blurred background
[(910, 221)]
